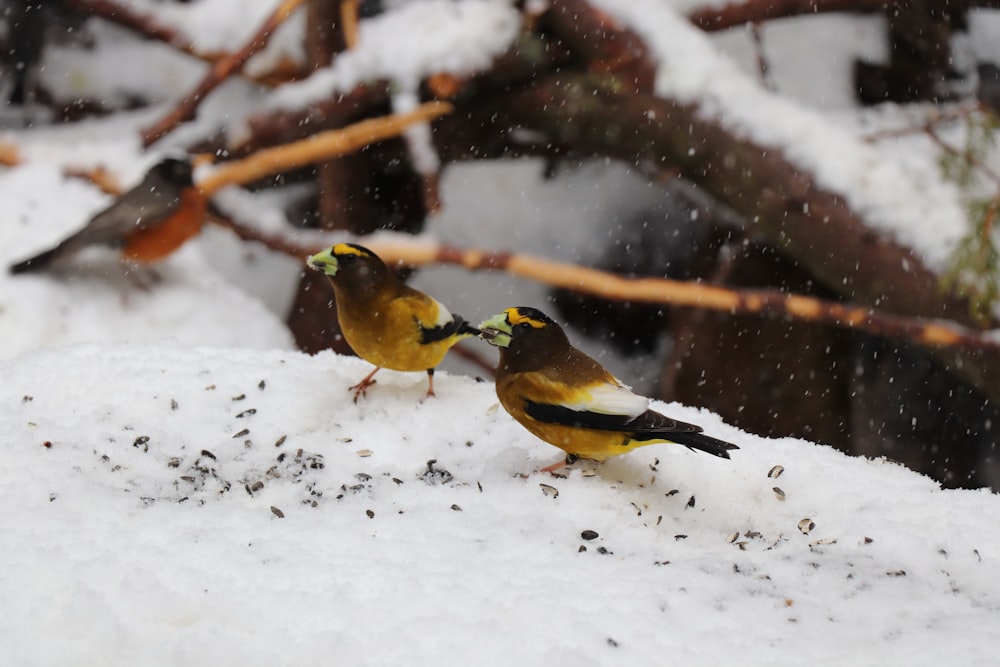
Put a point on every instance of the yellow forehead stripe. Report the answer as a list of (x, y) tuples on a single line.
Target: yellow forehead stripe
[(342, 249), (515, 318)]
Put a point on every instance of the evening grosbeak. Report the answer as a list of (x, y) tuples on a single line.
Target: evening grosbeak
[(145, 224), (569, 400), (385, 321)]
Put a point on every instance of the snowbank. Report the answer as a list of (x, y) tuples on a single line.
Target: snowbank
[(171, 505)]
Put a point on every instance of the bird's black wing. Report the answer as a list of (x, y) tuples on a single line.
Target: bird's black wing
[(456, 327), (135, 211), (649, 425)]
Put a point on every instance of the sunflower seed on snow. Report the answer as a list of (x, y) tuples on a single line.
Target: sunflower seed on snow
[(806, 526), (823, 540), (364, 453), (779, 493), (549, 490), (589, 472), (732, 537), (775, 472)]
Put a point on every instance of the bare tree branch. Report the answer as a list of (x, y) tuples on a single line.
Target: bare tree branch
[(318, 147), (752, 11), (418, 253), (129, 18)]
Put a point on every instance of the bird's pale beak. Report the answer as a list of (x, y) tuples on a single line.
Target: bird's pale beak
[(496, 331), (324, 261)]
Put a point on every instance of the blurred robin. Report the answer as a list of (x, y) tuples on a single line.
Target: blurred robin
[(145, 224)]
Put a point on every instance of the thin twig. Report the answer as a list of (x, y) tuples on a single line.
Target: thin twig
[(219, 72), (968, 156), (936, 117), (763, 67), (475, 358), (929, 127), (273, 242)]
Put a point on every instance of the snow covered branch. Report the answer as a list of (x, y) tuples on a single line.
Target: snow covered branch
[(220, 71), (127, 17)]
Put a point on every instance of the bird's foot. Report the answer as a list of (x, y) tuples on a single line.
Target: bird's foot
[(361, 388), (558, 465), (568, 461), (552, 470)]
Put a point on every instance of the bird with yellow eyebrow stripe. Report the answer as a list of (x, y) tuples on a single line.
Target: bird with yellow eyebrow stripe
[(569, 400), (385, 321)]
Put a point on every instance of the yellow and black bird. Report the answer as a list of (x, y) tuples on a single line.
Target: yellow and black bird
[(385, 321), (569, 400), (145, 224)]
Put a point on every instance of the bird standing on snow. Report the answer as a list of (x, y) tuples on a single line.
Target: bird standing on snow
[(569, 400), (386, 322), (146, 224)]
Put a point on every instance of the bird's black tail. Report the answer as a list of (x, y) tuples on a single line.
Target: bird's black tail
[(38, 262), (705, 443)]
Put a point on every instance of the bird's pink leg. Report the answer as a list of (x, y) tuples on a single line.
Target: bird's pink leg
[(361, 388)]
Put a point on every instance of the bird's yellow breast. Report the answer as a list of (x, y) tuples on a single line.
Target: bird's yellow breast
[(387, 331)]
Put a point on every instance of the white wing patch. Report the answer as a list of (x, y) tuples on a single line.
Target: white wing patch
[(444, 316), (610, 399)]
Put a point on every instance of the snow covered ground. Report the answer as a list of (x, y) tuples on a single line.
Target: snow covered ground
[(171, 505), (181, 487)]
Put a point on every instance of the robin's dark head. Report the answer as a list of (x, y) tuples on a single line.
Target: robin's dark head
[(176, 171), (350, 266), (525, 333)]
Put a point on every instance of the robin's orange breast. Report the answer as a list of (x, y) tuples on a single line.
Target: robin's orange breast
[(159, 240)]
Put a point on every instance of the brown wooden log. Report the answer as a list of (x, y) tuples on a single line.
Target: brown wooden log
[(609, 47)]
